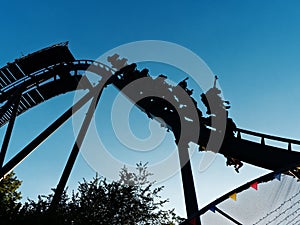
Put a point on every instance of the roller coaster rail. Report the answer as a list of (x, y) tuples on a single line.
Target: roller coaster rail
[(53, 71), (267, 136)]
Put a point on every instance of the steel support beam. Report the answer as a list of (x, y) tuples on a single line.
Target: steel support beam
[(227, 216), (9, 129), (75, 150), (190, 197), (18, 158)]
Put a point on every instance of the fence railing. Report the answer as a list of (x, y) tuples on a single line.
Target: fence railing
[(267, 136)]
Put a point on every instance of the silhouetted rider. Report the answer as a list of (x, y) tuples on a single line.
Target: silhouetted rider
[(183, 85), (234, 162), (126, 69), (217, 105), (116, 62)]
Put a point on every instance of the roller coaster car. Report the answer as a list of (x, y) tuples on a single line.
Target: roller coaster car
[(126, 69)]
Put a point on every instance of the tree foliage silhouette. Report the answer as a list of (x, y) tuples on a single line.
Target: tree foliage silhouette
[(9, 197), (132, 199)]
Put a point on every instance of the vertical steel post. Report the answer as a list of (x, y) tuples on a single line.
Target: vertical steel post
[(190, 197), (9, 129)]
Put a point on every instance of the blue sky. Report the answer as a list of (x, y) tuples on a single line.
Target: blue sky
[(253, 46)]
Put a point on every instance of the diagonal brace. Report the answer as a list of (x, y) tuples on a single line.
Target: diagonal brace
[(18, 158), (75, 150), (9, 129)]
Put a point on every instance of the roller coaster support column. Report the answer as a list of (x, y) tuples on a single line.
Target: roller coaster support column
[(9, 129), (190, 197), (44, 135), (75, 150)]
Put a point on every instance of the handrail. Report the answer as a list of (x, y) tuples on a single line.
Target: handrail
[(267, 136)]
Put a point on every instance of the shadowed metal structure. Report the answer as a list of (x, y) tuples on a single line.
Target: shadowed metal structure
[(52, 71)]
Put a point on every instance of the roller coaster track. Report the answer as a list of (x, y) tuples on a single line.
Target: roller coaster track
[(45, 84), (50, 72), (42, 85)]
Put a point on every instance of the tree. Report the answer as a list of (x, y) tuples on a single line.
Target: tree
[(132, 199), (37, 212), (9, 197)]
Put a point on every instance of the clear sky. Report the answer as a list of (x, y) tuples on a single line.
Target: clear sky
[(253, 46)]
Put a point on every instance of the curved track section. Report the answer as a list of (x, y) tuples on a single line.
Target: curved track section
[(45, 83), (260, 154), (53, 71), (40, 76)]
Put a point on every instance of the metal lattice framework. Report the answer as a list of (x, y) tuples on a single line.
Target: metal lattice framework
[(52, 71)]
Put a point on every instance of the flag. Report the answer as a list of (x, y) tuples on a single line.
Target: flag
[(278, 176), (233, 196), (213, 209), (254, 185)]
